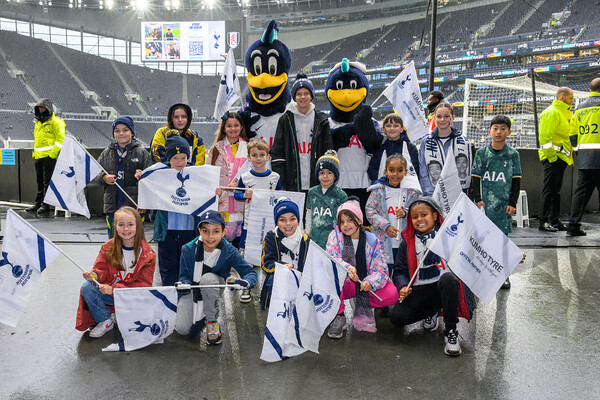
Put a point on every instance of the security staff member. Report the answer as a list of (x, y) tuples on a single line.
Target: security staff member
[(49, 134), (555, 154), (585, 133)]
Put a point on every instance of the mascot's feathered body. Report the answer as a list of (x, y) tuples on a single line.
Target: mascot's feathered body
[(355, 133), (268, 61)]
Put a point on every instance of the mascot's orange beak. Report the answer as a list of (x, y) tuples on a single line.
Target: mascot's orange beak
[(346, 99), (266, 88)]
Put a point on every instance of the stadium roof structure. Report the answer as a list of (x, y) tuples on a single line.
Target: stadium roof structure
[(257, 6)]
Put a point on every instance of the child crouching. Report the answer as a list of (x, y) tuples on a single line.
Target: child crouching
[(285, 244), (360, 251), (207, 260), (435, 288)]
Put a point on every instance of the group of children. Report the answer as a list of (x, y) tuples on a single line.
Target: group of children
[(380, 260)]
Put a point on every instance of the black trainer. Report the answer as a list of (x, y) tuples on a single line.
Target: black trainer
[(576, 232)]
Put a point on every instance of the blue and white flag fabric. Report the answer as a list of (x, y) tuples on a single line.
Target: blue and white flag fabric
[(260, 220), (475, 249), (229, 89), (318, 299), (74, 169), (448, 186), (276, 346), (145, 316), (25, 255), (189, 191), (405, 96)]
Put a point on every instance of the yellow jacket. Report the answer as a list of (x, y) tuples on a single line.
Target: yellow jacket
[(48, 138), (197, 150), (554, 133)]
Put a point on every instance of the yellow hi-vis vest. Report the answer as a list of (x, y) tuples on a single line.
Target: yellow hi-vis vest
[(48, 138), (554, 133)]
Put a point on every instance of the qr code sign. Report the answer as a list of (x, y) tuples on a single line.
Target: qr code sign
[(196, 48)]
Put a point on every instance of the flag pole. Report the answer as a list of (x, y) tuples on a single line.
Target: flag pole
[(186, 287), (77, 265), (370, 291), (105, 171), (412, 279), (61, 251), (375, 101)]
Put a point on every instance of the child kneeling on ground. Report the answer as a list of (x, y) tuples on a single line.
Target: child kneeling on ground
[(435, 288), (285, 244), (207, 260), (125, 261), (360, 252)]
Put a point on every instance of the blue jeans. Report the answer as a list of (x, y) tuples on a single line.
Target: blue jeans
[(96, 301)]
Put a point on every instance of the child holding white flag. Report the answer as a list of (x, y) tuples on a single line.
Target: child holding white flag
[(124, 159), (386, 205), (435, 288), (172, 229), (444, 141), (259, 177), (360, 252), (207, 261), (286, 244), (124, 261), (496, 178), (230, 152)]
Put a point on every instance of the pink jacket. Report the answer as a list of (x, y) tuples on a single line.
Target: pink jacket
[(376, 266), (229, 169)]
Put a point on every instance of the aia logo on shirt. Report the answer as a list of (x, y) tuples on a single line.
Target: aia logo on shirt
[(493, 177), (355, 142), (304, 147)]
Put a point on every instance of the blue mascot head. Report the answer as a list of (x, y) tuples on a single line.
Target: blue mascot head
[(346, 89), (268, 61)]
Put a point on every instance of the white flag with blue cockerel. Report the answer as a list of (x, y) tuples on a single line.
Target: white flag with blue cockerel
[(74, 169), (25, 255), (276, 346), (189, 191), (145, 316)]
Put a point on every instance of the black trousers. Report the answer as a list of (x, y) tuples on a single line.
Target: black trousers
[(169, 253), (426, 300), (44, 167), (588, 180), (550, 200)]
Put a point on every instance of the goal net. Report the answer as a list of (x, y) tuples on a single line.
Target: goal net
[(513, 97)]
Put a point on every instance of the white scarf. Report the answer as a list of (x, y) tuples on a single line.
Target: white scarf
[(290, 254), (211, 261)]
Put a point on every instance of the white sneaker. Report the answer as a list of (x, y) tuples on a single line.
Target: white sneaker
[(102, 328), (452, 347), (245, 296)]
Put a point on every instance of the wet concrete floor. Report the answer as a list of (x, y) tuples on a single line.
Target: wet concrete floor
[(538, 340)]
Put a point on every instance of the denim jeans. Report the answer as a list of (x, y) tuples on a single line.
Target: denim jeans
[(96, 301)]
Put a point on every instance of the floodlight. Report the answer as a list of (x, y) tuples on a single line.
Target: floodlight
[(142, 4), (175, 4)]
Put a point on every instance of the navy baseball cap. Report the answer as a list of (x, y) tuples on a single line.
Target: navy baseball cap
[(212, 217)]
